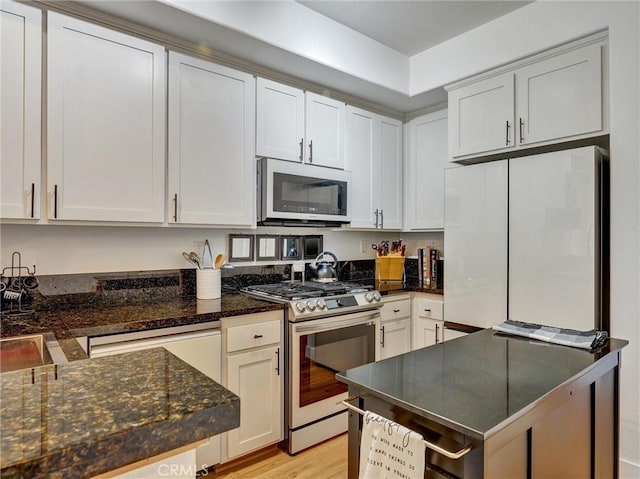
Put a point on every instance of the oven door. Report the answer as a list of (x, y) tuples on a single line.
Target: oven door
[(317, 350)]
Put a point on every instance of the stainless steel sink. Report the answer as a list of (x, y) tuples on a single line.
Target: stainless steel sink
[(29, 351)]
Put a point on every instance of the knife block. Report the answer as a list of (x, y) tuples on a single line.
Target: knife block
[(389, 268)]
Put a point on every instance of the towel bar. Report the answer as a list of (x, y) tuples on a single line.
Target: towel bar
[(433, 447)]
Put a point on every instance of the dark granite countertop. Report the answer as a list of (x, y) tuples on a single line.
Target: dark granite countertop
[(474, 383), (92, 416), (103, 319)]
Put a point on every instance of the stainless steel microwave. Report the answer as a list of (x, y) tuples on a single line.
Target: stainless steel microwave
[(298, 194)]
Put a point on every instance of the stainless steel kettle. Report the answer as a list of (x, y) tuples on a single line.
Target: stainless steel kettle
[(325, 271)]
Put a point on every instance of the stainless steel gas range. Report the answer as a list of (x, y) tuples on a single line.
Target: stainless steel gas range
[(330, 327)]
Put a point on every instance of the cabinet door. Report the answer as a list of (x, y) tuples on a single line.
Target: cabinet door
[(20, 93), (475, 244), (481, 116), (211, 143), (390, 173), (553, 239), (324, 131), (560, 97), (427, 159), (280, 121), (255, 377), (395, 338), (361, 157), (106, 124), (427, 331)]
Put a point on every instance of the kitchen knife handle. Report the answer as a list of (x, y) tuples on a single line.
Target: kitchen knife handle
[(55, 201), (521, 134), (376, 213), (311, 151), (33, 200), (382, 336), (278, 361), (508, 132), (301, 143), (175, 207)]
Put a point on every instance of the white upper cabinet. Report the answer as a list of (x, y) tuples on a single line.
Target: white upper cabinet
[(374, 155), (426, 160), (20, 93), (362, 157), (280, 121), (560, 97), (211, 144), (481, 116), (390, 174), (297, 126), (106, 124), (554, 96), (324, 131)]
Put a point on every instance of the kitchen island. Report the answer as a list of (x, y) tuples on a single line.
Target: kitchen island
[(527, 409), (90, 417)]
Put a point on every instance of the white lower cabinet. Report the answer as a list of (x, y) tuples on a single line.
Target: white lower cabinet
[(428, 323), (253, 371), (393, 336)]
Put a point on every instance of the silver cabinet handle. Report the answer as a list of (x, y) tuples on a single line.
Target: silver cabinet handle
[(175, 207), (508, 126), (377, 215), (33, 199), (521, 131), (429, 445), (437, 328), (382, 336), (301, 143), (311, 151), (381, 219), (55, 201)]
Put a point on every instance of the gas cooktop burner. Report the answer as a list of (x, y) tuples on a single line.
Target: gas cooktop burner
[(293, 290)]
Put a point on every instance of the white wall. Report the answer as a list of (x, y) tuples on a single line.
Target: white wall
[(536, 27), (65, 249)]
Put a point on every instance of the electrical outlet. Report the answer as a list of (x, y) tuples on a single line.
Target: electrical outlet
[(363, 246), (198, 246)]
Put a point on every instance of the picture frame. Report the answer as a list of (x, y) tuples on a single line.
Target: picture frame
[(267, 247), (241, 247)]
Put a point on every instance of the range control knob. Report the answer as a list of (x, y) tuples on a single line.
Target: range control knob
[(368, 297), (321, 304), (300, 307), (311, 305), (376, 296)]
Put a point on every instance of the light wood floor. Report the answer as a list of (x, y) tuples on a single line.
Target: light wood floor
[(324, 461)]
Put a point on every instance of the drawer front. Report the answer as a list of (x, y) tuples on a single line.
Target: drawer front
[(253, 335), (429, 308), (395, 310)]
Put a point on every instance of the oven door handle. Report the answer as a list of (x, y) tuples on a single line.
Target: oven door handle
[(314, 327)]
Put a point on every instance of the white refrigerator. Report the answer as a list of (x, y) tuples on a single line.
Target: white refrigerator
[(526, 239)]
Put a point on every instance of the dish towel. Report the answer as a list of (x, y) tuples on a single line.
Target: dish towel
[(591, 339), (389, 450)]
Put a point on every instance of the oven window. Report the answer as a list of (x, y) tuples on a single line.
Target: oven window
[(302, 194), (324, 354)]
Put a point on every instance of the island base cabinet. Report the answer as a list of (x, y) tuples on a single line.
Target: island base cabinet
[(571, 433), (572, 440)]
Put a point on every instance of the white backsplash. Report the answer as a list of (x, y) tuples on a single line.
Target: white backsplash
[(57, 249)]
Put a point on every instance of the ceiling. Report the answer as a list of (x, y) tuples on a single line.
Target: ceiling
[(305, 39), (411, 27)]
